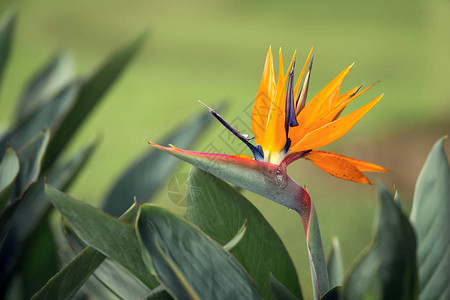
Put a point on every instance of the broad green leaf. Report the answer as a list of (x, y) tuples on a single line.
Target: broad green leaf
[(388, 269), (430, 216), (335, 265), (6, 39), (147, 174), (9, 169), (108, 235), (67, 281), (120, 281), (187, 262), (73, 275), (219, 210), (279, 291), (44, 85), (91, 92), (50, 115)]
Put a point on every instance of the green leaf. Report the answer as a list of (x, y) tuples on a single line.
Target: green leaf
[(67, 281), (91, 92), (387, 270), (279, 291), (39, 261), (318, 266), (335, 264), (110, 236), (219, 210), (34, 204), (44, 85), (50, 115), (334, 294), (120, 281), (430, 216), (30, 158), (9, 169), (6, 39), (189, 263), (71, 277), (30, 163), (147, 174)]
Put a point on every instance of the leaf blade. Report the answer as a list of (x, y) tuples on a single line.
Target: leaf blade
[(108, 235), (9, 169), (388, 268), (189, 263), (430, 214), (219, 210)]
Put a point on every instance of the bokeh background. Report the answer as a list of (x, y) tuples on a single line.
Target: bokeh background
[(214, 51)]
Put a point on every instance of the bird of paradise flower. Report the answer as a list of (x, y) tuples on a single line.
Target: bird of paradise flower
[(285, 129)]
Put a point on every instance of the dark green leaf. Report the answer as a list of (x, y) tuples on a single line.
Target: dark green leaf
[(30, 158), (6, 40), (66, 282), (335, 264), (146, 175), (159, 293), (70, 278), (189, 263), (91, 92), (34, 205), (112, 237), (39, 262), (50, 115), (44, 85), (30, 165), (387, 270), (120, 281), (9, 169), (334, 294), (219, 210), (430, 216), (5, 219), (279, 291)]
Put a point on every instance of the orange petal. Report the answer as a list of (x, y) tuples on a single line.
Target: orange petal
[(297, 85), (343, 102), (312, 116), (275, 136), (263, 100), (337, 165), (332, 131)]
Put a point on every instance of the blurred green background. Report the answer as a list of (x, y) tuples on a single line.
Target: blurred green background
[(215, 50)]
